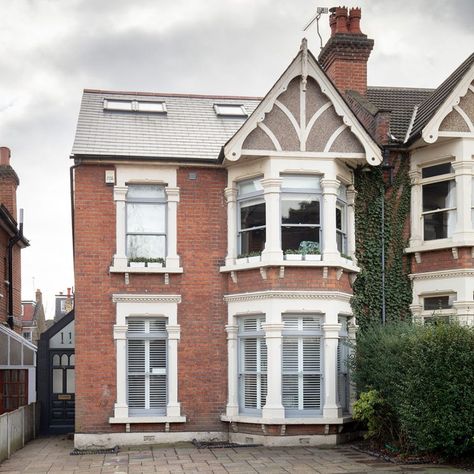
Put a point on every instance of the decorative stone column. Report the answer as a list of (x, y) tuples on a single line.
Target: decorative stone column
[(271, 191), (172, 258), (120, 336), (273, 407), (416, 208), (173, 408), (231, 198), (232, 408), (463, 175), (120, 196), (331, 407), (330, 187), (416, 310), (351, 195)]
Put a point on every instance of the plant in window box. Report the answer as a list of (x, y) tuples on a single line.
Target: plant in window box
[(293, 254), (137, 262), (254, 257), (310, 250), (346, 257)]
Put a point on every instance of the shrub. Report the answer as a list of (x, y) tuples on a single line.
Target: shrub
[(425, 375)]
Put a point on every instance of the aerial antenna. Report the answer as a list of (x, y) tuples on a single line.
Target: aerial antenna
[(319, 11)]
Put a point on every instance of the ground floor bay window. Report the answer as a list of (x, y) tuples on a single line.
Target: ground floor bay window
[(288, 360)]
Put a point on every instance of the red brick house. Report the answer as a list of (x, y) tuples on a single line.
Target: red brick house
[(17, 355), (33, 321), (214, 250)]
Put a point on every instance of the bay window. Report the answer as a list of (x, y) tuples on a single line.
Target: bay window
[(251, 217), (439, 201), (146, 364), (302, 365), (146, 221), (252, 364), (300, 211)]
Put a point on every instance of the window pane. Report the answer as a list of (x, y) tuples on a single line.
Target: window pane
[(301, 182), (252, 215), (57, 380), (339, 218), (70, 381), (433, 303), (149, 246), (291, 237), (252, 241), (249, 186), (299, 210), (146, 218), (439, 195), (436, 170), (147, 191), (439, 225), (341, 242)]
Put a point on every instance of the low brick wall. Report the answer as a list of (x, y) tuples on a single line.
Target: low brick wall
[(17, 428)]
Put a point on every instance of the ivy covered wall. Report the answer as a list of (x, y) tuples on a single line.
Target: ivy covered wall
[(371, 185)]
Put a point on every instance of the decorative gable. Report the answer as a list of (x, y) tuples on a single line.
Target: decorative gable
[(461, 119), (303, 113)]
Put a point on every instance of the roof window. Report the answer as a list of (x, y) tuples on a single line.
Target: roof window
[(230, 110), (135, 105)]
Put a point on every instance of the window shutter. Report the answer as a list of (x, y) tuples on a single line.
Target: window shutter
[(250, 379), (290, 384), (312, 373), (136, 374)]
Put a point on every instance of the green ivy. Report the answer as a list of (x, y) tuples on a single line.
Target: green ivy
[(367, 300)]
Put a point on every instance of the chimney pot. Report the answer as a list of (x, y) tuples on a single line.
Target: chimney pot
[(355, 15), (5, 154), (341, 20)]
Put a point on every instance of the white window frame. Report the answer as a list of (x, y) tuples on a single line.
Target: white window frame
[(244, 199), (318, 194), (230, 110), (430, 314), (146, 306), (341, 204), (452, 209), (295, 330), (260, 372), (165, 176)]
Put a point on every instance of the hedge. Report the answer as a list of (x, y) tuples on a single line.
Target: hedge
[(424, 380)]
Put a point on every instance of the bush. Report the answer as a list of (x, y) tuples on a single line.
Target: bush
[(425, 376)]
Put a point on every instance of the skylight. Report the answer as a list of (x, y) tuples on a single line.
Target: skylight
[(230, 110), (135, 105)]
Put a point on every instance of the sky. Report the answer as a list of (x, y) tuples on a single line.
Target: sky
[(50, 50)]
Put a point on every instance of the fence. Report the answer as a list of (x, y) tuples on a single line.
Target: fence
[(17, 428)]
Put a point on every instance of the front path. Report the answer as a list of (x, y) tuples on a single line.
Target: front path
[(52, 455)]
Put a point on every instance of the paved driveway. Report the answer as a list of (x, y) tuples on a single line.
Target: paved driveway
[(51, 455)]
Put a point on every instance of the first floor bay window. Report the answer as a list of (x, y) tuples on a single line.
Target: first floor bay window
[(252, 364), (251, 216), (439, 201), (146, 221), (302, 365), (146, 364), (300, 211)]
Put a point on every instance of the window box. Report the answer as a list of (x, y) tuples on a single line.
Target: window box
[(312, 257), (241, 260), (293, 256), (154, 264), (254, 259), (136, 264)]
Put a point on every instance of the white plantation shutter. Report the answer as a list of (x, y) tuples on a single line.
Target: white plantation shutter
[(147, 363), (343, 391), (301, 370), (253, 364)]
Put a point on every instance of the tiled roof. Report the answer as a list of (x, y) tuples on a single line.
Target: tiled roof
[(429, 107), (190, 130), (401, 101)]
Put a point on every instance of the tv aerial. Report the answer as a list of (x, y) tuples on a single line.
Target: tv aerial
[(319, 11)]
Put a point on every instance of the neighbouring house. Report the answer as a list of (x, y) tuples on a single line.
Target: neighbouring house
[(214, 245), (17, 355), (32, 318), (63, 304)]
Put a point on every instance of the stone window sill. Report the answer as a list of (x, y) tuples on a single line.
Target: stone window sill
[(148, 419), (441, 244), (145, 270), (287, 421)]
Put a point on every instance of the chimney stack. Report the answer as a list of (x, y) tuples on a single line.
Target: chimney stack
[(8, 182), (345, 55), (4, 156)]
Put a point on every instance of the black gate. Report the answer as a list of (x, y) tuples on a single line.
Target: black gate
[(56, 376)]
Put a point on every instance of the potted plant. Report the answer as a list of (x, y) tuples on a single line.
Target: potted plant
[(310, 250), (155, 262), (293, 254), (254, 257), (137, 262)]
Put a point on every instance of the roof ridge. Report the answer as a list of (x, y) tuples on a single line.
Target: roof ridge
[(424, 89), (171, 94)]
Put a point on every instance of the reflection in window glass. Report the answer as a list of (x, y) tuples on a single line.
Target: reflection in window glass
[(70, 381), (432, 303), (57, 380)]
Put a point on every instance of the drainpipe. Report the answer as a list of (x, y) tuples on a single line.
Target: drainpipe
[(11, 244)]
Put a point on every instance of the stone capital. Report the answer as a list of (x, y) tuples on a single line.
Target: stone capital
[(330, 186), (230, 194), (120, 193), (120, 332), (172, 194), (174, 331), (271, 185), (415, 176), (231, 330)]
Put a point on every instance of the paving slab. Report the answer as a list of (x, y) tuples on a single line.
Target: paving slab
[(51, 455)]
